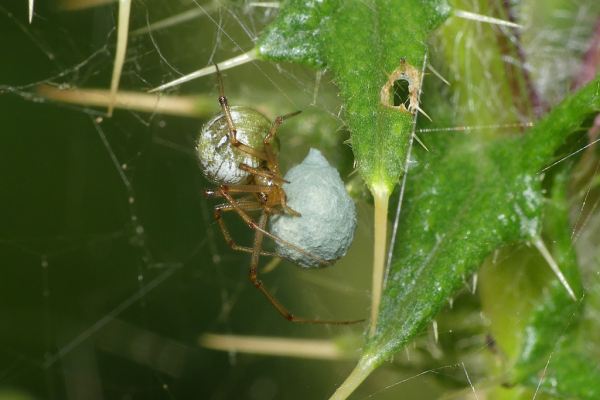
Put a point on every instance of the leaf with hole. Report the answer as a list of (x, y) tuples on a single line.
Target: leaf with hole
[(462, 203), (388, 43)]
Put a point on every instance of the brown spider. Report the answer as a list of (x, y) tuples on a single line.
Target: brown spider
[(240, 168)]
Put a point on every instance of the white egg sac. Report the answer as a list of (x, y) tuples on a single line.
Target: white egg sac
[(326, 227)]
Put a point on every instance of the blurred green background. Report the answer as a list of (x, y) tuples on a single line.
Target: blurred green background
[(112, 265)]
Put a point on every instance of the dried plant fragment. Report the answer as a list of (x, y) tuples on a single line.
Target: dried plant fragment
[(409, 74)]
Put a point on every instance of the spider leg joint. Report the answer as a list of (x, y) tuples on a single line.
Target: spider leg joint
[(209, 193)]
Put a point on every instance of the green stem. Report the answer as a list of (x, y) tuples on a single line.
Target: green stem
[(359, 374), (381, 198)]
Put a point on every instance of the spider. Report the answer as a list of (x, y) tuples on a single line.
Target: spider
[(237, 151)]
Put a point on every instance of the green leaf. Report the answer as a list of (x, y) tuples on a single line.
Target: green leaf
[(466, 201), (553, 356), (572, 373), (362, 42), (469, 196)]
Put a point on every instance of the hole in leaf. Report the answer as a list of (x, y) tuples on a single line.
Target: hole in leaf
[(401, 93)]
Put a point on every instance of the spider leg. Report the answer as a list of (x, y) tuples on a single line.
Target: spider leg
[(261, 155), (262, 172), (223, 191), (244, 205), (267, 140), (275, 178), (288, 209), (258, 239), (236, 189)]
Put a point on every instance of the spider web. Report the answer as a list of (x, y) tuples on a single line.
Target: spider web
[(112, 264)]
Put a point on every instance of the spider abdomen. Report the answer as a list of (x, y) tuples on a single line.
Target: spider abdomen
[(219, 159)]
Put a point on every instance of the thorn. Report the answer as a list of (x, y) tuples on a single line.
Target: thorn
[(271, 266), (420, 142), (435, 330), (436, 73), (176, 19), (266, 4), (122, 36), (424, 113), (495, 258), (232, 62), (539, 244), (474, 282), (485, 18)]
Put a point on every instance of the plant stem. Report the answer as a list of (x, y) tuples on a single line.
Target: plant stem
[(276, 346), (186, 106), (381, 198), (122, 36), (360, 372)]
